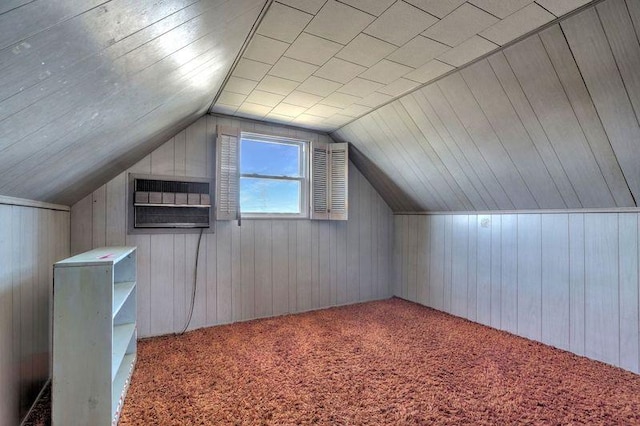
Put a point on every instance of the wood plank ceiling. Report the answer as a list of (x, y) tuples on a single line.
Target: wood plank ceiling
[(321, 63), (87, 87), (551, 122)]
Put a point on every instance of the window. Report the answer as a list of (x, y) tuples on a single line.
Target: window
[(269, 177), (273, 176)]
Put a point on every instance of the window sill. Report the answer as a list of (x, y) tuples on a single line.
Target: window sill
[(272, 216)]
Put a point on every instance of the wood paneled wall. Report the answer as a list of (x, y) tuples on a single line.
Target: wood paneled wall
[(551, 122), (567, 280), (263, 268), (31, 240)]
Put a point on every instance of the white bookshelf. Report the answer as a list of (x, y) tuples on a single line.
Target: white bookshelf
[(94, 335)]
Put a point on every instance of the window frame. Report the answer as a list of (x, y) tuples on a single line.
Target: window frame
[(304, 179)]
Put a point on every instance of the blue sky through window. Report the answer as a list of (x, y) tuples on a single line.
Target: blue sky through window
[(268, 195), (270, 158)]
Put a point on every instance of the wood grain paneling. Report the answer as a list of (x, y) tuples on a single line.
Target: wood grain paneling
[(578, 95), (576, 283), (100, 84), (555, 280), (606, 50), (262, 268), (529, 281), (569, 280), (602, 288), (31, 240), (549, 122)]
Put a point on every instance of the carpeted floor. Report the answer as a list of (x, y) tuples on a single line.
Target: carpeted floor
[(387, 362)]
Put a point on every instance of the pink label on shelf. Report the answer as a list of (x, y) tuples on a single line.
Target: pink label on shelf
[(106, 256)]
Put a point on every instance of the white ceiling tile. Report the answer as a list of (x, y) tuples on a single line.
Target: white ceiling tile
[(365, 50), (224, 109), (467, 51), (323, 110), (356, 110), (319, 86), (337, 120), (338, 22), (521, 22), (240, 85), (340, 100), (418, 52), (277, 85), (429, 71), (439, 8), (265, 49), (385, 72), (374, 7), (283, 23), (560, 7), (459, 25), (375, 99), (292, 69), (302, 99), (309, 6), (400, 23), (288, 109), (339, 70), (398, 87), (308, 119), (264, 98), (360, 87), (312, 49), (501, 8), (253, 110), (231, 99), (251, 70), (278, 118)]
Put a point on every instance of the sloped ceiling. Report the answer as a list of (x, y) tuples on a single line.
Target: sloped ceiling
[(322, 63), (551, 122), (87, 87)]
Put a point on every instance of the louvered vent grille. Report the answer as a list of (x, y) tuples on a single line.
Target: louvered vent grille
[(153, 185), (163, 203), (172, 217)]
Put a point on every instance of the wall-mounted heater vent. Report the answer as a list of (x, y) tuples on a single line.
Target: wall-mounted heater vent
[(166, 203)]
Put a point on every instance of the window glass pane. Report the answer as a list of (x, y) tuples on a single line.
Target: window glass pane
[(270, 158), (269, 196)]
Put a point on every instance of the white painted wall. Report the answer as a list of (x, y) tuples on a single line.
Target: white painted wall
[(261, 269), (31, 240), (567, 280)]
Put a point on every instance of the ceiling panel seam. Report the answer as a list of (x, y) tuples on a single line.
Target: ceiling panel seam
[(573, 58), (245, 44), (564, 89), (624, 84)]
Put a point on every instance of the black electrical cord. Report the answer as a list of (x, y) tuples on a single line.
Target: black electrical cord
[(195, 283)]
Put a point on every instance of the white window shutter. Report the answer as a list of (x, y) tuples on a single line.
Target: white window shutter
[(329, 181), (227, 173), (339, 181), (319, 180)]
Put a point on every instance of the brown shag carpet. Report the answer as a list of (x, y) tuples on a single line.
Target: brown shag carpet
[(388, 362)]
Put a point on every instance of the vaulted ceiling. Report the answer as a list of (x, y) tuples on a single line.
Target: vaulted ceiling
[(322, 63), (89, 86), (551, 121)]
